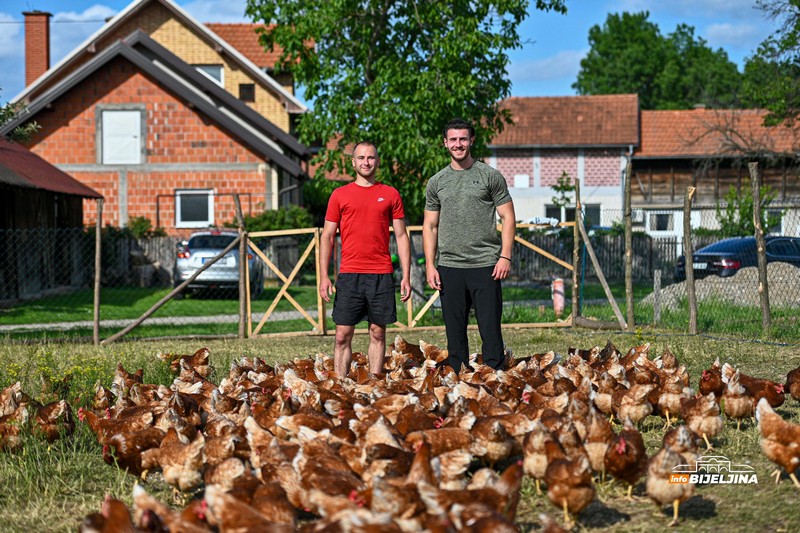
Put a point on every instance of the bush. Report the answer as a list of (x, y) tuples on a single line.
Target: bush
[(292, 217)]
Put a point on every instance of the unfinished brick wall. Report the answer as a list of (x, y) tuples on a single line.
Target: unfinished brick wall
[(175, 134)]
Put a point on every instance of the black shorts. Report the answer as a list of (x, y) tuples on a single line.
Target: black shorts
[(364, 296)]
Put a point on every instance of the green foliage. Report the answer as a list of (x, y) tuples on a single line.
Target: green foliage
[(291, 217), (736, 217), (395, 72), (142, 228), (563, 188), (628, 54), (315, 197), (9, 112), (772, 74)]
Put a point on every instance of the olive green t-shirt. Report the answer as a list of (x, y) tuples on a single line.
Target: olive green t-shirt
[(467, 202)]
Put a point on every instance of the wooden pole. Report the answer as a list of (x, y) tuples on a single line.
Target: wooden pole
[(98, 266), (628, 250), (761, 251), (244, 275), (576, 251), (321, 313), (600, 276), (172, 293), (688, 254), (656, 296)]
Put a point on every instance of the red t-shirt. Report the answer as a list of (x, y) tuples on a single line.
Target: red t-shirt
[(364, 215)]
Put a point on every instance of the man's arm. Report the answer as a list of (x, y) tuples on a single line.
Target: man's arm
[(325, 249), (509, 222), (404, 253), (430, 235)]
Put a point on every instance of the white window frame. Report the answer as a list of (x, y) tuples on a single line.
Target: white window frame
[(179, 223), (103, 113), (221, 81)]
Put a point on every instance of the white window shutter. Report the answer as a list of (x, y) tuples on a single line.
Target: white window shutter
[(122, 142)]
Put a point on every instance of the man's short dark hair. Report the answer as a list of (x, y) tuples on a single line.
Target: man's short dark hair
[(365, 142), (459, 124)]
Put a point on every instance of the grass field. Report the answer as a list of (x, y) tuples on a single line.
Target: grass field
[(51, 487)]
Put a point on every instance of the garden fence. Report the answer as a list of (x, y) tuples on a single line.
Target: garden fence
[(47, 277)]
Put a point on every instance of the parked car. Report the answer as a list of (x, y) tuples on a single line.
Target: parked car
[(726, 257), (224, 274)]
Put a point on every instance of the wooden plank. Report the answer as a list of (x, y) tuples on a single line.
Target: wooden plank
[(284, 288), (425, 308), (546, 254), (283, 232), (601, 277)]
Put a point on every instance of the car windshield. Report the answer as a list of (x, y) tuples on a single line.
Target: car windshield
[(214, 242)]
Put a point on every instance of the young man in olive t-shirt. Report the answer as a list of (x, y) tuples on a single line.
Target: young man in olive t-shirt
[(461, 205)]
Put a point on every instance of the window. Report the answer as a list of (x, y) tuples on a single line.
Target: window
[(247, 92), (661, 222), (591, 214), (121, 139), (522, 181), (776, 216), (214, 72), (194, 208)]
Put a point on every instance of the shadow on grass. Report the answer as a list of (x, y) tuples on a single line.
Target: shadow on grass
[(598, 514)]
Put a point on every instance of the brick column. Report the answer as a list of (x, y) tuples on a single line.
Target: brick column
[(37, 44)]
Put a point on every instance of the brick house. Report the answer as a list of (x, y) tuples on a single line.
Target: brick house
[(592, 138), (587, 137), (164, 118)]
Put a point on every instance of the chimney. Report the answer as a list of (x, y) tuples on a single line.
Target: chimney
[(37, 44)]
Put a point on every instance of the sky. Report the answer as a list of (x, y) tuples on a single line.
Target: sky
[(546, 65)]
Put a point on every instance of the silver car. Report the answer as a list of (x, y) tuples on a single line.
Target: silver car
[(202, 247)]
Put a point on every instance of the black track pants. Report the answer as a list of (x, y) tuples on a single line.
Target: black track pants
[(463, 288)]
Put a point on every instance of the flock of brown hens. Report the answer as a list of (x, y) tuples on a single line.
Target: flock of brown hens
[(291, 446)]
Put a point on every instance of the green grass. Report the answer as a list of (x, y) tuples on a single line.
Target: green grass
[(130, 303), (52, 487)]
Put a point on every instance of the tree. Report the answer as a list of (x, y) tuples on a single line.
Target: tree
[(8, 112), (736, 217), (772, 74), (394, 72), (630, 55)]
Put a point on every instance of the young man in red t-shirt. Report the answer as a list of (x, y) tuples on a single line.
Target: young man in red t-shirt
[(363, 211)]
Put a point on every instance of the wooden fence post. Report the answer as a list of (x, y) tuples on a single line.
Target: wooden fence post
[(763, 282), (688, 254), (576, 254), (98, 266), (628, 250), (656, 296), (244, 274)]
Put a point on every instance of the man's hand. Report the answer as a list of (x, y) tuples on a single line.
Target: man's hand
[(405, 290), (326, 288), (433, 278), (501, 269)]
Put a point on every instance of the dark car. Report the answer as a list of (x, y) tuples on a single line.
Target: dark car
[(224, 274), (724, 258)]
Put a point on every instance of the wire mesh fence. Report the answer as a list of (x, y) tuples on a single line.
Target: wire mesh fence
[(47, 278)]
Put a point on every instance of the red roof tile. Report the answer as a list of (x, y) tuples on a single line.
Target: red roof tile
[(712, 132), (244, 38), (607, 120), (19, 167)]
